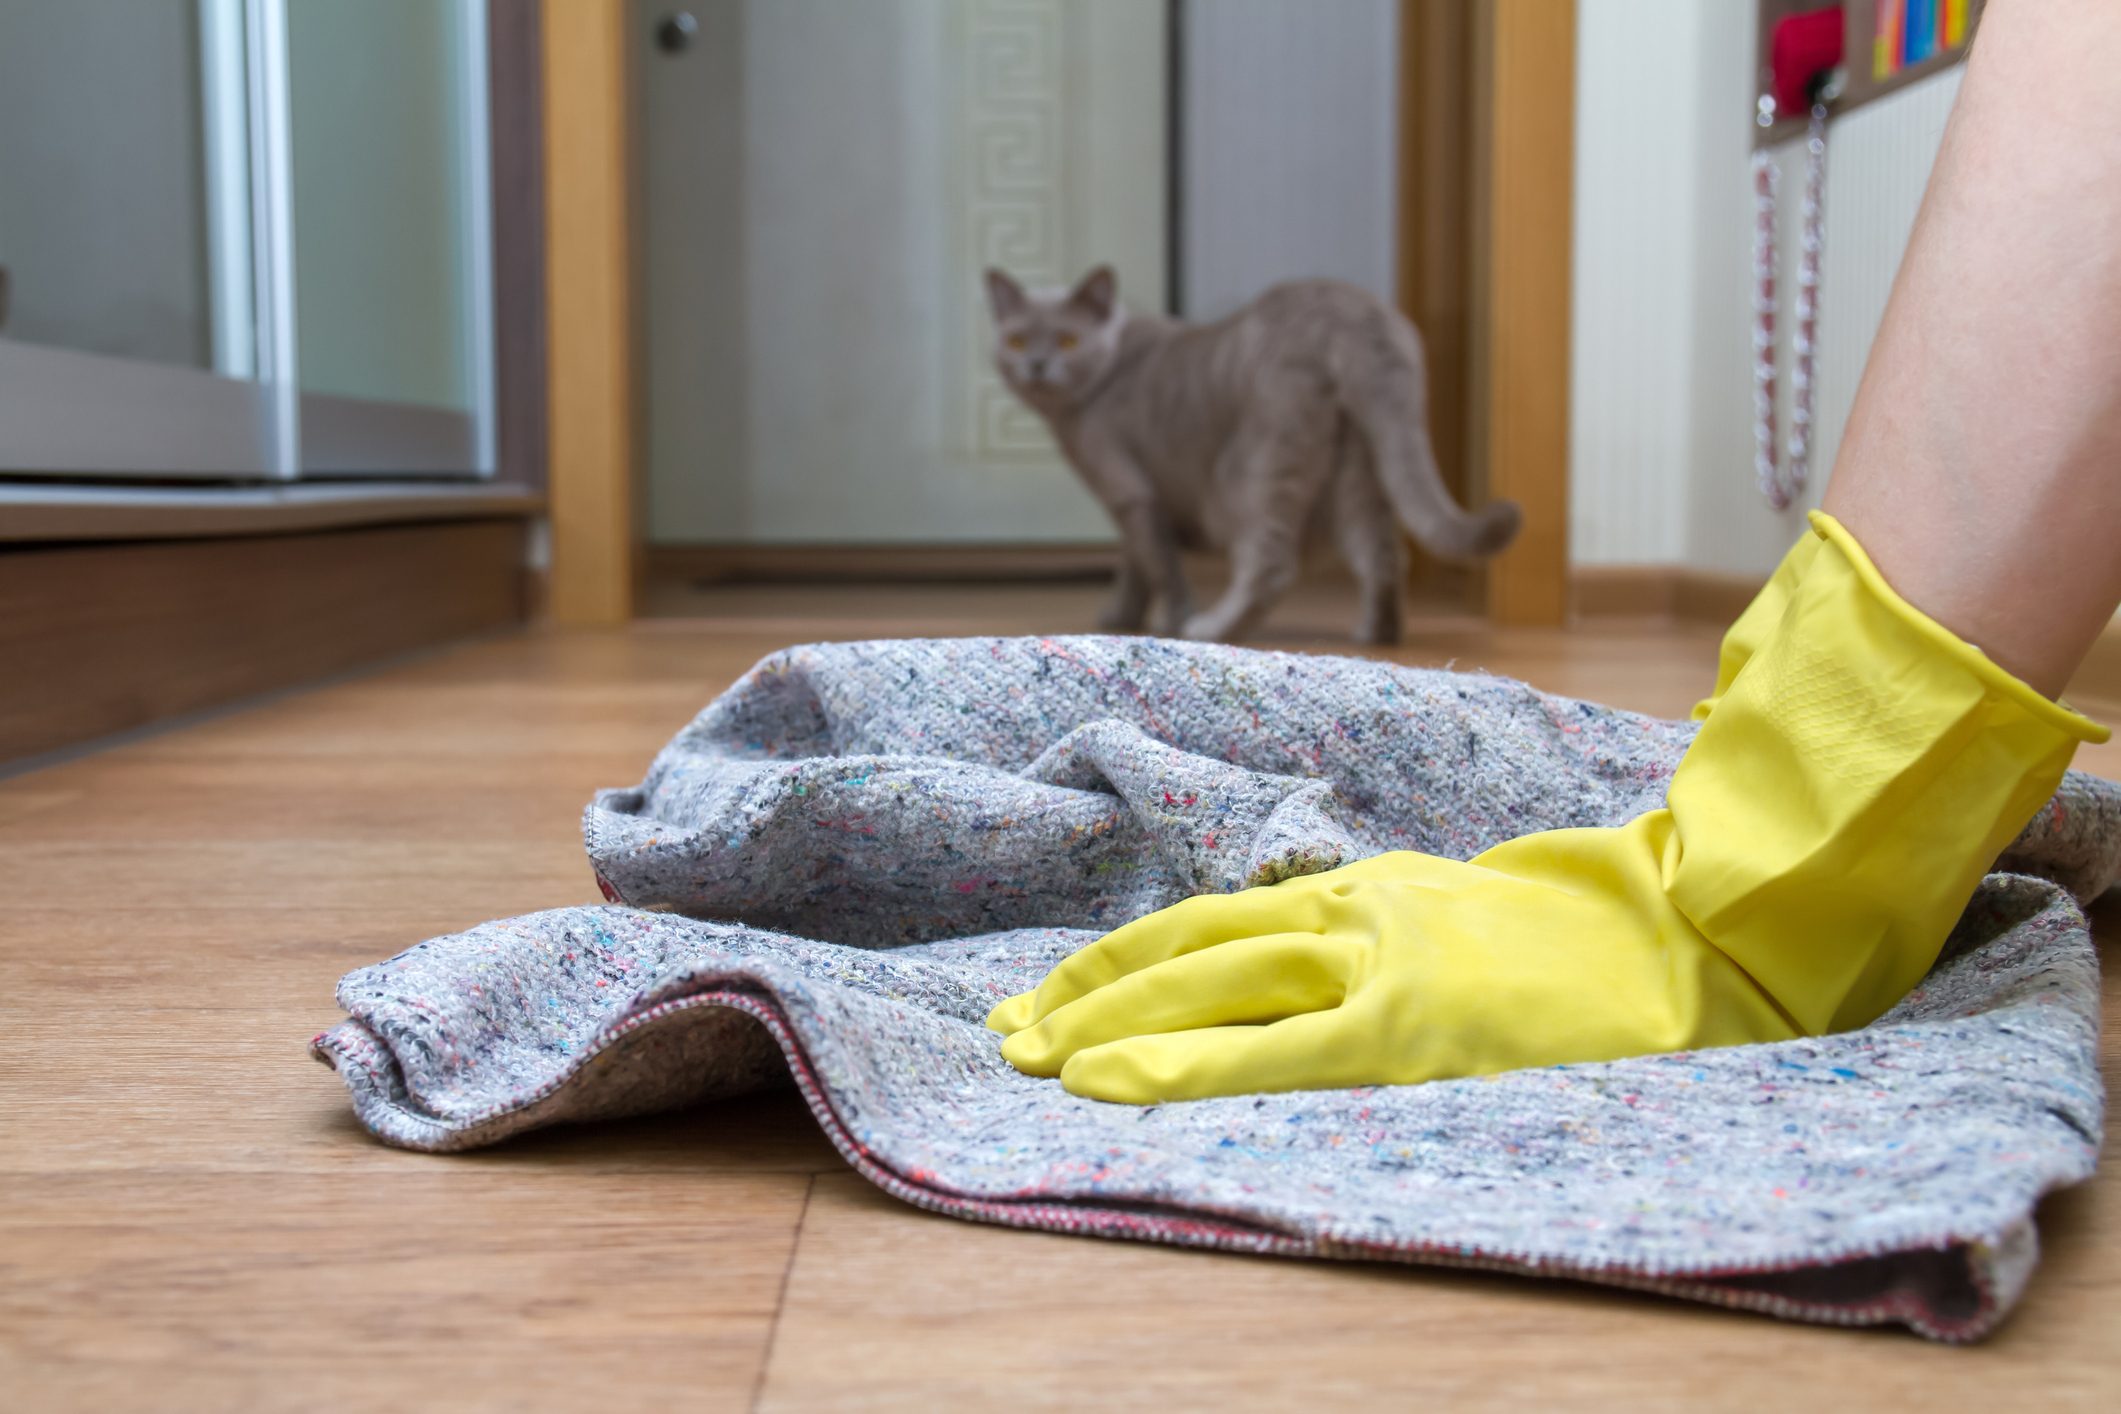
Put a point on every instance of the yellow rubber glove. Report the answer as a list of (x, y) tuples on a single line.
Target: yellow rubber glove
[(1821, 836), (1744, 637)]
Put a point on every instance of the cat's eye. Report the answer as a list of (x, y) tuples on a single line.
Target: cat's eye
[(1065, 342), (1017, 342)]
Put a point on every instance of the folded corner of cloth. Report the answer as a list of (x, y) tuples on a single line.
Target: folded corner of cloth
[(846, 860)]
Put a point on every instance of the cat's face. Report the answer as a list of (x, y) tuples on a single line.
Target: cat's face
[(1053, 346)]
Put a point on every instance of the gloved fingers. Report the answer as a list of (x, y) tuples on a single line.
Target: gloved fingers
[(1204, 921), (1307, 1052), (1014, 1014), (1249, 980)]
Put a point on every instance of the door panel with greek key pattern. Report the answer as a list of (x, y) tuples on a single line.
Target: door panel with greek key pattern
[(824, 181)]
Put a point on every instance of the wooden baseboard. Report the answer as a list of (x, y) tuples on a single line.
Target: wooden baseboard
[(1691, 596), (1623, 592), (1713, 598), (103, 638), (1429, 583), (33, 511), (858, 564), (2099, 678), (1658, 592)]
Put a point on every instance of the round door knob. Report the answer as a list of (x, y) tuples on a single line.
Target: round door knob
[(675, 32)]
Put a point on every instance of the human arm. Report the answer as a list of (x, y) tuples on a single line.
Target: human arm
[(1883, 727), (1981, 464)]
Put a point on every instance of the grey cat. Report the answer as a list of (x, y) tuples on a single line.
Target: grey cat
[(1302, 414)]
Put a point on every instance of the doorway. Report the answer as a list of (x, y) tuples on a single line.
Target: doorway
[(820, 183)]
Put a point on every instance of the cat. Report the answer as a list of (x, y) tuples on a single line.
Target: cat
[(1301, 415)]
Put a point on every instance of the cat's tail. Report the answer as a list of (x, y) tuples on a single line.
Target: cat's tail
[(1394, 423)]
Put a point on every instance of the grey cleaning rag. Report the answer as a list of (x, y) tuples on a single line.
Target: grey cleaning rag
[(849, 857)]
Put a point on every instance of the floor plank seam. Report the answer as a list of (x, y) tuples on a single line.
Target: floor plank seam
[(780, 1297)]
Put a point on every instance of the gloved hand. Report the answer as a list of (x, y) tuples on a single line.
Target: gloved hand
[(1821, 836), (1752, 627)]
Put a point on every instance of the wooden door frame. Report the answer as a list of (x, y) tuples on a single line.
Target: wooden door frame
[(588, 287), (1487, 131), (1487, 158)]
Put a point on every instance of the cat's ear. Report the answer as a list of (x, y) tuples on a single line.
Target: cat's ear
[(1004, 296), (1095, 294)]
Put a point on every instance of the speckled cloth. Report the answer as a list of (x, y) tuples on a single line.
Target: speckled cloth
[(844, 861)]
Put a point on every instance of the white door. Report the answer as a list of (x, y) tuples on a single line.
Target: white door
[(824, 181)]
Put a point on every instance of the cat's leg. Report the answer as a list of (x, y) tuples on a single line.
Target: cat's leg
[(1152, 555), (1277, 477), (1129, 606), (1264, 560), (1368, 536)]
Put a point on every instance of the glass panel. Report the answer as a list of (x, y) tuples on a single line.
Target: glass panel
[(124, 227), (824, 182), (383, 105)]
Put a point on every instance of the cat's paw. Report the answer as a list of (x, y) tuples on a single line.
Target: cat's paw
[(1379, 628), (1122, 618), (1203, 628), (1172, 618)]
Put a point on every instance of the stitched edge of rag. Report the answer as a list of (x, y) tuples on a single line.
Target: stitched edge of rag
[(1949, 1286)]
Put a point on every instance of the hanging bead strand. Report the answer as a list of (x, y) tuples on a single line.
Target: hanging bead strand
[(1767, 177), (1783, 478)]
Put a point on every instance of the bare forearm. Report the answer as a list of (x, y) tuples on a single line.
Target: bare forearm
[(1982, 462)]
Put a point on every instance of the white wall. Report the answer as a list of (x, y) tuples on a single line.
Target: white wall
[(1661, 404), (1631, 369), (1288, 129)]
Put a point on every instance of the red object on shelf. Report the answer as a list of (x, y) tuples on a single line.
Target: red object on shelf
[(1803, 48)]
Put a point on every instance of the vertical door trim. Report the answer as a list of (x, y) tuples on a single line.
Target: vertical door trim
[(1529, 156), (223, 100), (475, 146), (589, 328), (1435, 211), (272, 198)]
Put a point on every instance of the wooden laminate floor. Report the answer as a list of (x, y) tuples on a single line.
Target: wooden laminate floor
[(190, 1217)]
